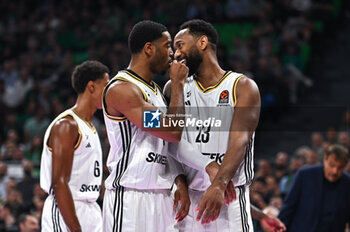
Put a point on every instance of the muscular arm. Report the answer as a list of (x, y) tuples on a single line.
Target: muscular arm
[(125, 99), (63, 137), (243, 125)]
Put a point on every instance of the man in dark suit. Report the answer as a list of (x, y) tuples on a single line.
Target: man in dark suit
[(319, 199)]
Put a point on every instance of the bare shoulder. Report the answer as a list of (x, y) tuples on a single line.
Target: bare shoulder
[(247, 83), (66, 123), (247, 92), (122, 90)]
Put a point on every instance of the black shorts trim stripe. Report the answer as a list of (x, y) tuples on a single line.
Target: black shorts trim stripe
[(248, 158), (243, 211), (55, 216), (118, 210)]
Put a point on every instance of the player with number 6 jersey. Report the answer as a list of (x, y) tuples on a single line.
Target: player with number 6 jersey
[(71, 163)]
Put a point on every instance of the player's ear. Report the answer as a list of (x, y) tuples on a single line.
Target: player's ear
[(203, 42), (90, 87), (149, 49)]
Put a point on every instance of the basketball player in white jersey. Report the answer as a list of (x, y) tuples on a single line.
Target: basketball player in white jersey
[(71, 163), (137, 196), (211, 92)]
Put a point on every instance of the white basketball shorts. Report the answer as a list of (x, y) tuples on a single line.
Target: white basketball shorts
[(89, 215), (235, 217), (131, 210)]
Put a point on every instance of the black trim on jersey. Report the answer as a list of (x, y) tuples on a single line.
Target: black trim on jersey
[(227, 73), (104, 94), (121, 161), (234, 89), (126, 135), (127, 125), (242, 206), (125, 130), (134, 75)]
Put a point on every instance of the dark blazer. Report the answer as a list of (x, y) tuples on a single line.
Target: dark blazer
[(302, 207)]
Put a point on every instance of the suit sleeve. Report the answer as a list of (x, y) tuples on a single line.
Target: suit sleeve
[(291, 201)]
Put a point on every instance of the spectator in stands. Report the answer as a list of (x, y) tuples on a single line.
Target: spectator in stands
[(258, 193), (332, 135), (271, 187), (38, 206), (28, 223), (343, 139), (27, 183), (264, 168), (11, 151), (33, 150), (281, 165), (285, 184), (7, 219), (9, 73), (319, 199), (14, 200), (316, 143), (36, 125), (312, 158), (3, 180), (302, 151)]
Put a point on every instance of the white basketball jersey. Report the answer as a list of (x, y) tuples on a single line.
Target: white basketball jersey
[(136, 158), (211, 105), (86, 175)]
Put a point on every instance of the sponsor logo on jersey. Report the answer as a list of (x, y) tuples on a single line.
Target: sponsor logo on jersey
[(223, 99), (88, 145), (90, 188), (217, 157), (156, 158), (151, 119)]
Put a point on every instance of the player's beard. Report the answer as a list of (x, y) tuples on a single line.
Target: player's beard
[(193, 60)]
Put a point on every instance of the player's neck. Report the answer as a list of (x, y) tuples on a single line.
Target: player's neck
[(210, 72), (84, 109), (141, 69)]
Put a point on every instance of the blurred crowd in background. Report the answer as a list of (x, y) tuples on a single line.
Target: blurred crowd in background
[(271, 41)]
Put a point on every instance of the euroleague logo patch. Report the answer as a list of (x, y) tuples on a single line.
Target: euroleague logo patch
[(223, 97)]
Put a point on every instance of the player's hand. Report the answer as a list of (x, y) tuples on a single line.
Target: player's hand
[(212, 169), (230, 193), (272, 224), (178, 72), (181, 194), (211, 203)]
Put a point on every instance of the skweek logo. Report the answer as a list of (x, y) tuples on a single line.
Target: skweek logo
[(151, 119)]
